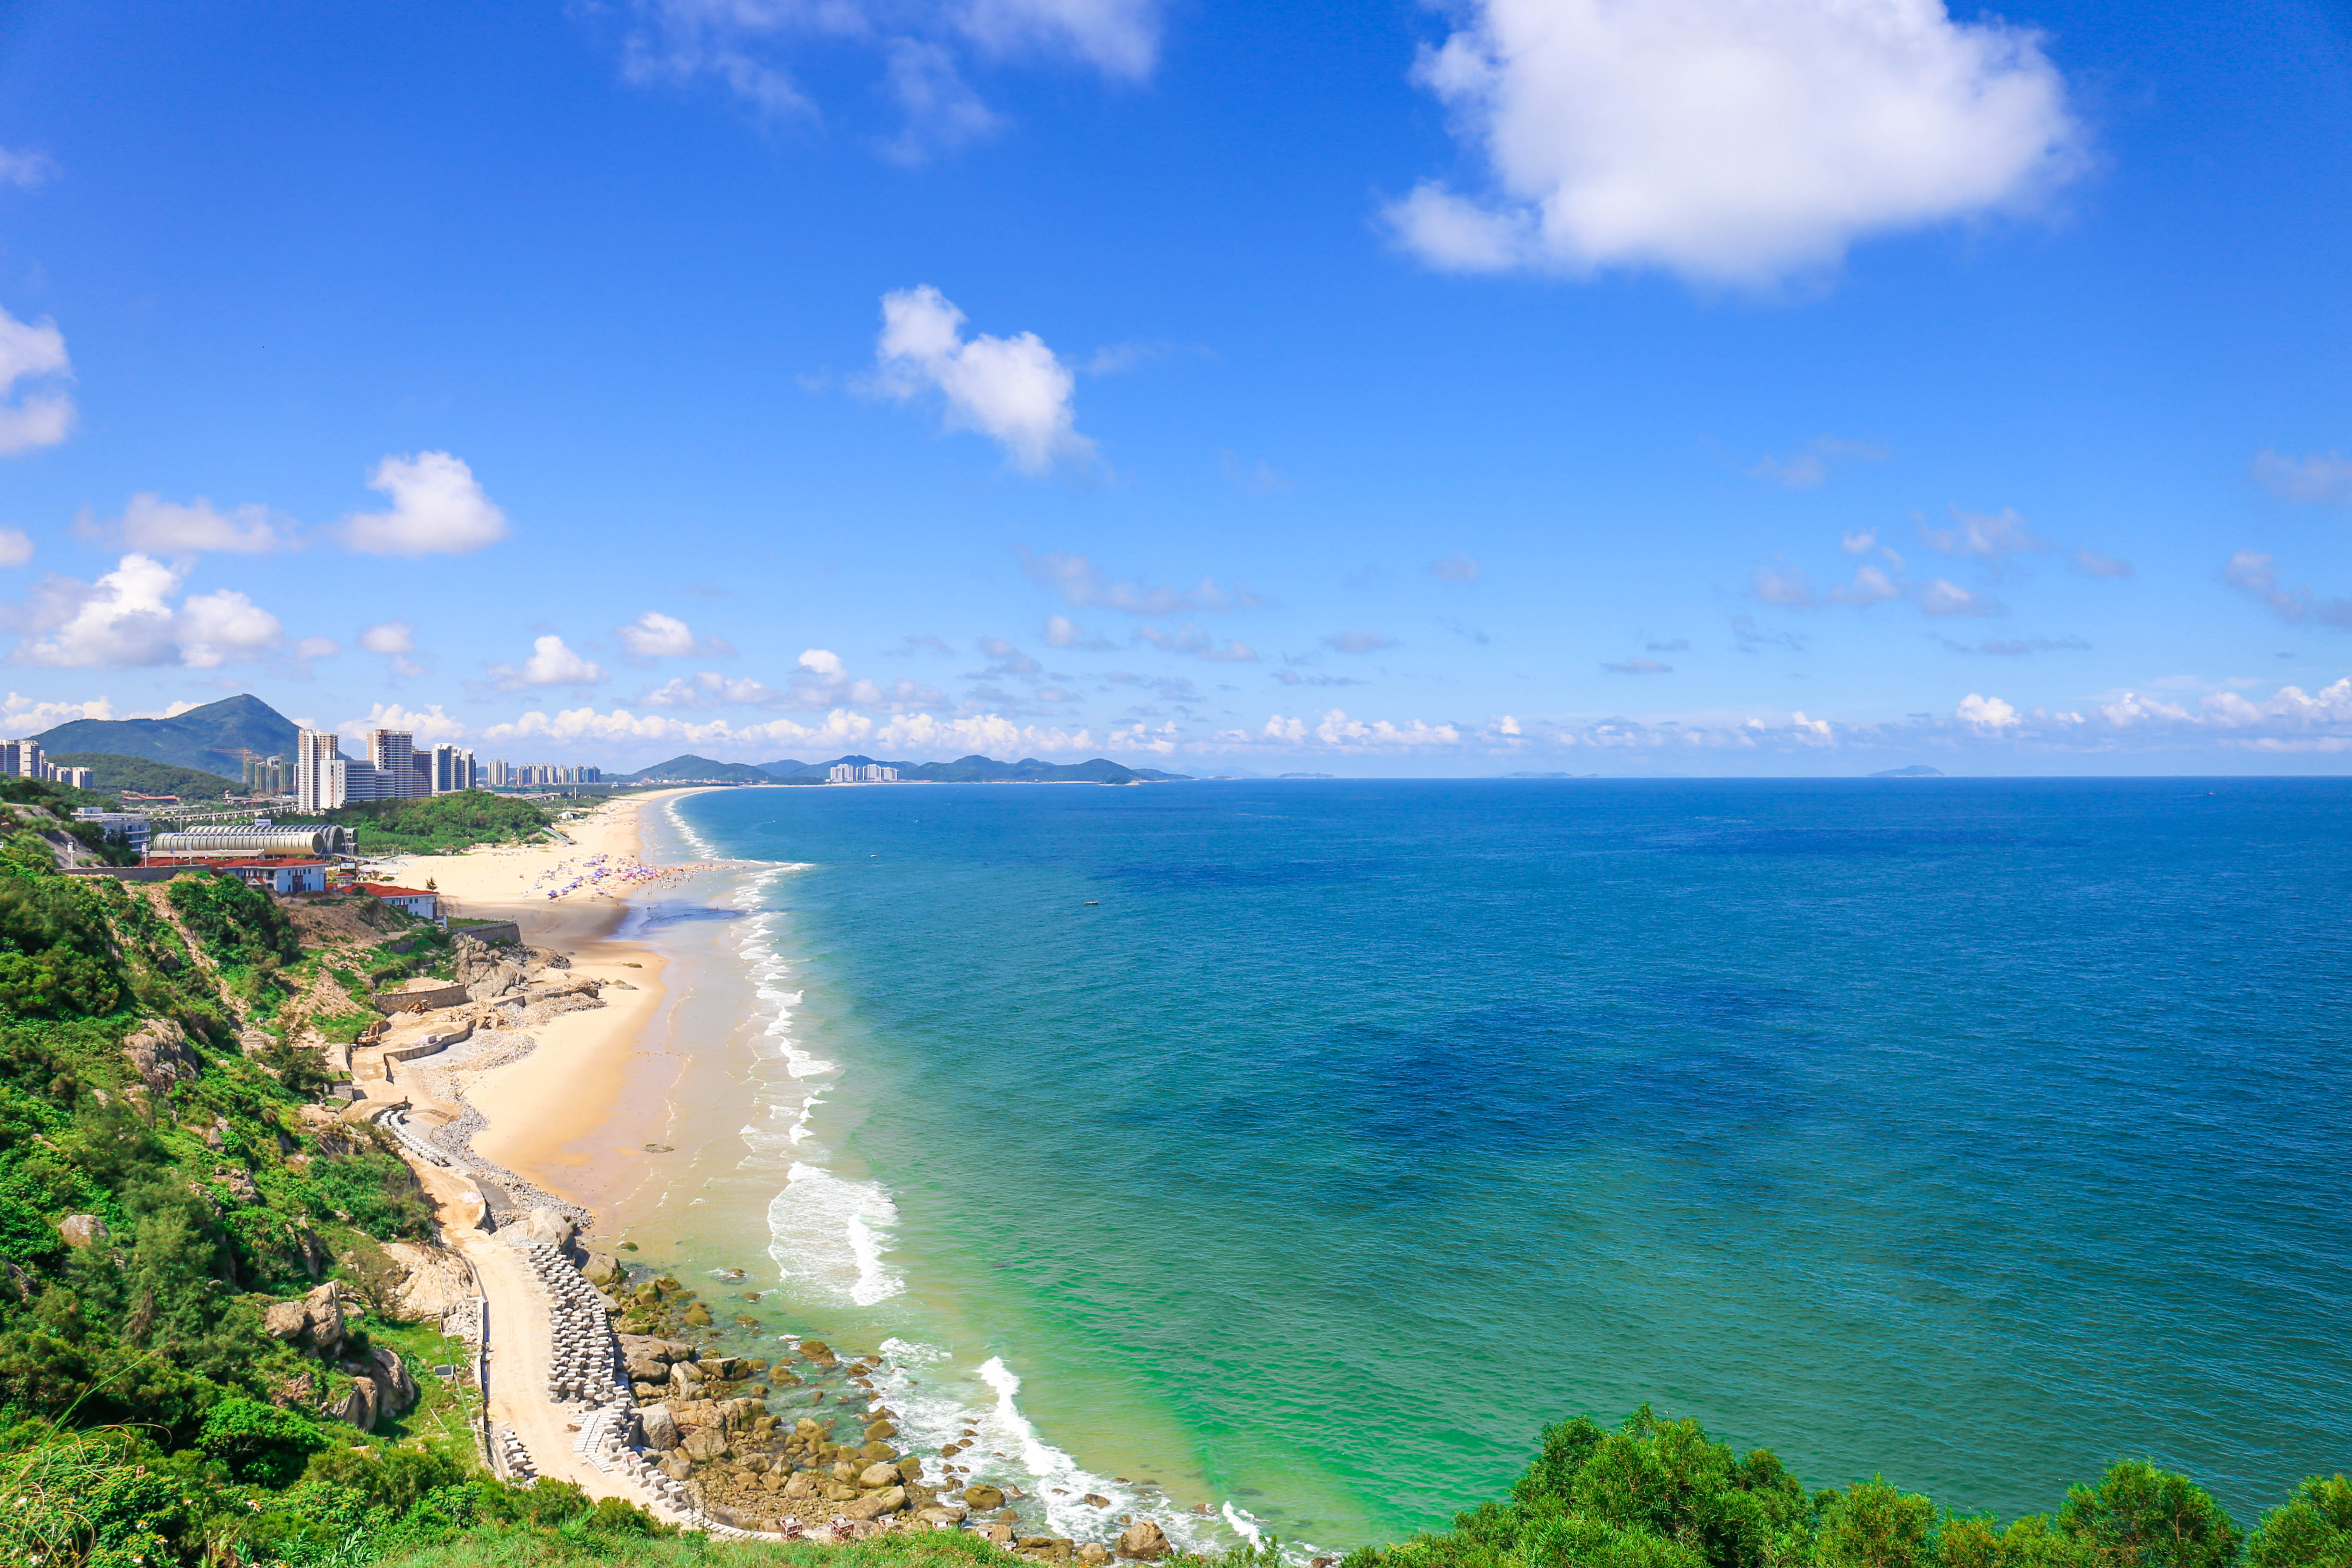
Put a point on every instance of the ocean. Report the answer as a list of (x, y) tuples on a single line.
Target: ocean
[(1281, 1156)]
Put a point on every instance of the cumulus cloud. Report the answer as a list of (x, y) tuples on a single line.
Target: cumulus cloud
[(1357, 639), (2098, 565), (2257, 574), (1004, 658), (160, 527), (2311, 478), (394, 640), (1870, 586), (1638, 665), (41, 416), (1787, 586), (1082, 583), (1986, 712), (429, 724), (1062, 632), (1730, 141), (1455, 568), (552, 663), (1012, 390), (921, 642), (657, 635), (1858, 541), (1336, 729), (437, 509), (29, 716), (15, 547), (128, 619)]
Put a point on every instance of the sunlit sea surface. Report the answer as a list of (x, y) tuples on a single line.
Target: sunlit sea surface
[(1301, 1148)]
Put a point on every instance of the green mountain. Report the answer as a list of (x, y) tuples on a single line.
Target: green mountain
[(978, 769), (115, 772), (207, 737), (698, 769)]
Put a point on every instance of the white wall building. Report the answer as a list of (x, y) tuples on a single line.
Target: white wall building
[(321, 777)]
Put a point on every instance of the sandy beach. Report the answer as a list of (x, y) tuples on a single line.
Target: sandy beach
[(557, 1116)]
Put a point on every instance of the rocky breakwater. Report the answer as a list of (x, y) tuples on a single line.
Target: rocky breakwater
[(374, 1384)]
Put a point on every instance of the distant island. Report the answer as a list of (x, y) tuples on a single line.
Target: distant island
[(1916, 771)]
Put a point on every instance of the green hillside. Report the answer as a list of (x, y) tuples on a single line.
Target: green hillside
[(207, 737), (115, 772), (690, 766)]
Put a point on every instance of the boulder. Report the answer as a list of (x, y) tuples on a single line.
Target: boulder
[(816, 1350), (650, 1373), (552, 1227), (704, 1443), (1094, 1553), (637, 1346), (285, 1320), (801, 1485), (395, 1389), (357, 1404), (875, 1504), (82, 1230), (879, 1430), (874, 1453), (1142, 1541), (239, 1183), (910, 1468), (158, 1051), (602, 1270), (324, 1308), (660, 1427), (675, 1464), (988, 1500), (940, 1516), (997, 1534), (880, 1475), (1097, 1500)]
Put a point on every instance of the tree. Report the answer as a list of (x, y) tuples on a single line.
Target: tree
[(2141, 1517), (1875, 1526), (2312, 1529), (259, 1443)]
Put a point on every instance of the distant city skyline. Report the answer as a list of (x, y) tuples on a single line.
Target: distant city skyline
[(1505, 386)]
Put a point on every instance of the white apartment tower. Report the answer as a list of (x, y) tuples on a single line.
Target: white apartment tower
[(320, 782)]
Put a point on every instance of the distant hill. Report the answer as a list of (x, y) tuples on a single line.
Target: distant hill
[(113, 772), (690, 766), (978, 769), (207, 737), (1916, 771)]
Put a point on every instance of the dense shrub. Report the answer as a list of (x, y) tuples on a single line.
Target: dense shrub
[(259, 1443)]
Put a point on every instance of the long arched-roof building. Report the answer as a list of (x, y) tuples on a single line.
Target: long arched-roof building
[(308, 841)]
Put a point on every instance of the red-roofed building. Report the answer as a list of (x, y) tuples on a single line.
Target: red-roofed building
[(425, 905)]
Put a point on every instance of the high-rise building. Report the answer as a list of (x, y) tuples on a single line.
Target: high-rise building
[(393, 755), (452, 770), (21, 759), (321, 777)]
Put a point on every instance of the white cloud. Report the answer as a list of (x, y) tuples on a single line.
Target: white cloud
[(2312, 478), (2254, 573), (1987, 538), (161, 527), (1357, 639), (1083, 584), (389, 637), (1858, 541), (437, 509), (1730, 141), (1638, 665), (1062, 632), (25, 716), (1455, 568), (1809, 467), (429, 724), (552, 663), (15, 547), (1870, 586), (32, 352), (2098, 565), (1986, 712), (657, 635), (1336, 729), (1012, 390), (26, 170), (1942, 596), (127, 620)]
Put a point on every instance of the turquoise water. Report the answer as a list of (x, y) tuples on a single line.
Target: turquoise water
[(1306, 1146)]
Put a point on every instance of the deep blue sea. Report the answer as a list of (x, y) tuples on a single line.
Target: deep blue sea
[(1308, 1145)]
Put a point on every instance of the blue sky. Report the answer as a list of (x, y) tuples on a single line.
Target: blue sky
[(1679, 386)]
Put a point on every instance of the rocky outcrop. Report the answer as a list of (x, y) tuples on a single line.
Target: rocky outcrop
[(83, 1230), (1143, 1541), (314, 1322), (158, 1051), (552, 1227), (660, 1426)]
